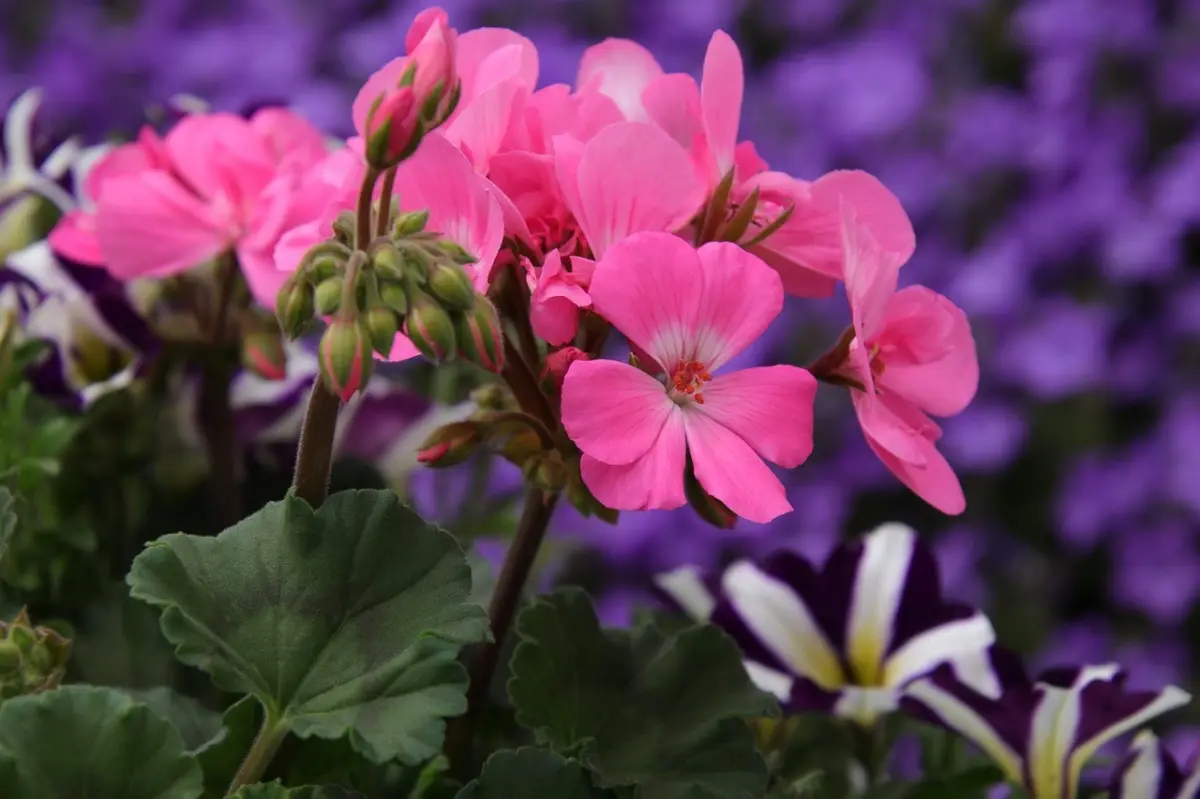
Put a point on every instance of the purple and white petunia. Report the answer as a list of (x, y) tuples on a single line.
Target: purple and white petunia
[(1149, 772), (20, 172), (1041, 733), (848, 638)]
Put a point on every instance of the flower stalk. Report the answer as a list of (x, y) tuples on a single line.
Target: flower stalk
[(217, 423)]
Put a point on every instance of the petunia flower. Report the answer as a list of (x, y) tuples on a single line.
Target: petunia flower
[(1041, 733), (912, 354), (691, 311), (1149, 772), (20, 174), (845, 639)]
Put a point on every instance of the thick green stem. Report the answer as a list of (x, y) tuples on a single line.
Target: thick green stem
[(518, 563), (365, 197), (217, 423), (265, 745)]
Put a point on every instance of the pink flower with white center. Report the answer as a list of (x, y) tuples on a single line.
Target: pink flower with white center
[(216, 183), (912, 355), (692, 311)]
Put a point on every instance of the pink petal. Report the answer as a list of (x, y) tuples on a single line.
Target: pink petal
[(127, 159), (728, 469), (930, 355), (149, 226), (220, 155), (634, 177), (871, 275), (74, 238), (612, 411), (650, 287), (807, 250), (290, 138), (673, 103), (554, 306), (402, 350), (261, 275), (295, 243), (580, 115), (382, 81), (652, 482), (619, 69), (798, 280), (768, 407), (476, 46), (480, 126), (721, 97), (747, 161), (568, 153), (741, 297), (461, 206), (877, 208), (932, 479), (887, 431)]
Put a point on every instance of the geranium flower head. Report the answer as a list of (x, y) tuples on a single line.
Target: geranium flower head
[(846, 638), (691, 311), (1041, 733), (912, 354)]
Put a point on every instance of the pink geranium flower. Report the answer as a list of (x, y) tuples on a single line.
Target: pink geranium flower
[(912, 355), (691, 311), (215, 183), (557, 296)]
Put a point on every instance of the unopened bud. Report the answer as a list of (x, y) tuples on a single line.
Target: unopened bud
[(456, 252), (382, 324), (410, 223), (451, 284), (710, 509), (394, 297), (417, 262), (328, 296), (558, 362), (547, 471), (345, 357), (450, 444), (393, 128), (10, 656), (430, 328), (493, 397), (264, 355), (480, 338), (294, 306), (388, 261), (345, 227), (324, 267)]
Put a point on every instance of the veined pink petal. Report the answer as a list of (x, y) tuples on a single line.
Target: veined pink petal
[(652, 482), (871, 275), (149, 226), (721, 98), (294, 244), (741, 297), (580, 115), (634, 177), (613, 411), (932, 480), (261, 275), (568, 153), (768, 407), (476, 46), (928, 352), (480, 125), (650, 287), (729, 470), (220, 155), (74, 238), (461, 206), (877, 208), (887, 431), (673, 103), (619, 69), (290, 138), (798, 280)]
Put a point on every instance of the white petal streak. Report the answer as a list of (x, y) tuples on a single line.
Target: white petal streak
[(923, 653), (878, 586), (1145, 772), (959, 717), (1054, 727), (1167, 700), (865, 705), (780, 619), (685, 586), (769, 680)]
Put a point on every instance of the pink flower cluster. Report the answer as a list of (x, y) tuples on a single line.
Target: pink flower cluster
[(626, 200)]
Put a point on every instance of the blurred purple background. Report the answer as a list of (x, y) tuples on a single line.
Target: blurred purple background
[(1049, 155)]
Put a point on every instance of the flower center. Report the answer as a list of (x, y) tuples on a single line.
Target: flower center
[(686, 381)]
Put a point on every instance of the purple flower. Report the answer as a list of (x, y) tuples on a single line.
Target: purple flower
[(20, 172), (1155, 572), (1150, 772), (848, 638), (1041, 733)]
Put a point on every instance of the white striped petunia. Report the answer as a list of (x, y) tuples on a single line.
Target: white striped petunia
[(1149, 772), (847, 638)]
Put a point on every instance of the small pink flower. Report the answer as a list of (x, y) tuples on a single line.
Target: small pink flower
[(557, 297), (913, 354), (691, 311)]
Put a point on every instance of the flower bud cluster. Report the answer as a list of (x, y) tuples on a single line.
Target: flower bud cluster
[(32, 659)]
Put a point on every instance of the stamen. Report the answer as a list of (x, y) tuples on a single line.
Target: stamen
[(687, 380)]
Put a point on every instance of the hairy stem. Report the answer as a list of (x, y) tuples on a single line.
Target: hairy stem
[(518, 563), (218, 426), (265, 745), (365, 197), (384, 217)]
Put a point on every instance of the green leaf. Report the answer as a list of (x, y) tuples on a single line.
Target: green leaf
[(342, 621), (196, 723), (273, 790), (221, 756), (662, 713), (87, 741), (530, 773), (8, 518)]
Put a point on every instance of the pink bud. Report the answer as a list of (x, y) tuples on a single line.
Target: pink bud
[(431, 45), (480, 337), (559, 361), (345, 357), (263, 354), (391, 128)]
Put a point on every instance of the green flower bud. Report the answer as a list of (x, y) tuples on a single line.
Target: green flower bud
[(329, 296), (450, 444), (547, 471), (264, 355), (430, 328), (410, 223), (294, 306), (455, 252), (324, 267), (345, 227), (480, 337), (395, 297), (451, 284), (383, 326), (10, 657), (345, 357), (388, 261)]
